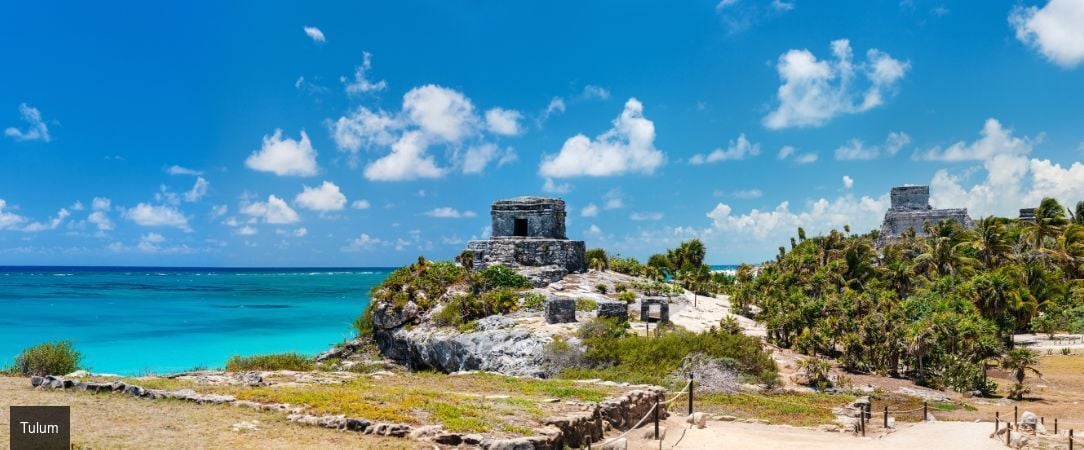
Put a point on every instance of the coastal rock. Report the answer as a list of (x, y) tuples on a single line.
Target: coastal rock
[(495, 346), (388, 317)]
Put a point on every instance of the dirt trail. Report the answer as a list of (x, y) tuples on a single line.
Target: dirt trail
[(720, 435)]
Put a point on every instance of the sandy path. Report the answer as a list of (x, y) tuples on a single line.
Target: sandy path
[(707, 313), (941, 435)]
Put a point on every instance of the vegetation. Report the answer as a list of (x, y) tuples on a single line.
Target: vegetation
[(465, 308), (596, 259), (585, 304), (1018, 362), (49, 358), (499, 276), (534, 301), (614, 354), (274, 361), (931, 308)]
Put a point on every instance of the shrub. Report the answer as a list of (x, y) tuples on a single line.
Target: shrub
[(729, 325), (601, 328), (273, 361), (601, 288), (586, 304), (421, 283), (364, 323), (627, 296), (596, 259), (621, 286), (534, 301), (466, 308), (49, 358), (560, 355), (500, 276)]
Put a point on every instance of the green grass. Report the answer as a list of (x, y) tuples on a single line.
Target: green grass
[(274, 361), (791, 408)]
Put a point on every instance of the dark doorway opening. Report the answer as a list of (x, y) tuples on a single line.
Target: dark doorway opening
[(520, 227)]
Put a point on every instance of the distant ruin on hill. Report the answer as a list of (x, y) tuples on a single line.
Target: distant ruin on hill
[(911, 210)]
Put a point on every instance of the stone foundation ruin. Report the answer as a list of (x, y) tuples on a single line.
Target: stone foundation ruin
[(911, 210), (529, 236)]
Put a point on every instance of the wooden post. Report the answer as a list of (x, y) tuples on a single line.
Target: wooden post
[(886, 415), (690, 393), (1015, 419), (997, 420), (657, 417), (925, 410), (1042, 420), (1008, 434), (1055, 425), (862, 420), (1070, 439)]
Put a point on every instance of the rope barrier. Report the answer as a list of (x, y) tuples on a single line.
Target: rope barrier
[(682, 391), (905, 411)]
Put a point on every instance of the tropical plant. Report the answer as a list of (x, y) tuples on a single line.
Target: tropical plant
[(1020, 361)]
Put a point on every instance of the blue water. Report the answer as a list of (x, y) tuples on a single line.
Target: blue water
[(136, 320)]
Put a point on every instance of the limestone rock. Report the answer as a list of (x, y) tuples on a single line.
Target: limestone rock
[(649, 432), (560, 310), (492, 347), (616, 444), (697, 418), (614, 310)]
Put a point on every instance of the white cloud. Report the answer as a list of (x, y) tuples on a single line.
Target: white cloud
[(646, 216), (284, 156), (592, 92), (790, 153), (614, 199), (995, 140), (36, 129), (101, 220), (819, 216), (1056, 30), (198, 190), (247, 230), (326, 197), (627, 147), (315, 34), (594, 230), (274, 210), (855, 149), (219, 211), (503, 121), (179, 170), (745, 194), (78, 206), (555, 106), (9, 220), (815, 91), (361, 204), (407, 161), (848, 182), (740, 15), (736, 150), (157, 216), (591, 210), (52, 224), (150, 242), (440, 112), (100, 204), (477, 157), (361, 84), (449, 213), (362, 242), (365, 128), (785, 152), (555, 188), (781, 5)]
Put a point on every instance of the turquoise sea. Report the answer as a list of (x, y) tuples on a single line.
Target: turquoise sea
[(132, 320)]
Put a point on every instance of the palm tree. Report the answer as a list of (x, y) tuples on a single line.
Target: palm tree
[(996, 293), (860, 259), (1020, 361), (1078, 214), (944, 250), (991, 241), (1049, 220)]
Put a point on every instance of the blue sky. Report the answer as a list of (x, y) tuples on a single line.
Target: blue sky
[(360, 134)]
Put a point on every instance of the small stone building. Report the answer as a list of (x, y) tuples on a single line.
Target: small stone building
[(911, 210), (529, 236)]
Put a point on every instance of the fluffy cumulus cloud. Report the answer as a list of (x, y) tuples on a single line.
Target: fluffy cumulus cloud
[(848, 182), (1056, 30), (855, 149), (503, 121), (995, 140), (148, 215), (591, 210), (323, 198), (819, 216), (36, 129), (362, 242), (628, 147), (361, 204), (641, 216), (284, 156), (814, 91), (737, 150), (449, 213), (274, 211), (431, 115), (315, 34), (9, 220), (361, 84), (51, 224)]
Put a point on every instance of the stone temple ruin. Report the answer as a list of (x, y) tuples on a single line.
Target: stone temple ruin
[(529, 236), (911, 210)]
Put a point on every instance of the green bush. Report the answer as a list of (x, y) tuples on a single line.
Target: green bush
[(596, 259), (621, 286), (586, 305), (602, 328), (49, 358), (466, 308), (602, 288), (500, 276), (421, 283), (534, 301), (364, 323), (273, 361), (627, 296)]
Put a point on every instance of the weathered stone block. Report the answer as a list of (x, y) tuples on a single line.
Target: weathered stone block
[(655, 310), (614, 310), (911, 211), (560, 310)]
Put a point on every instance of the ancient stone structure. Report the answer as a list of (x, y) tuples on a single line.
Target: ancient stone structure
[(614, 310), (911, 210), (560, 310), (1027, 215), (529, 236), (655, 310)]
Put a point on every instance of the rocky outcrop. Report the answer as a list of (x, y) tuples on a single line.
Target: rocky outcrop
[(495, 345)]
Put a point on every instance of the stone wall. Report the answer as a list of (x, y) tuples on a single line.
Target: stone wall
[(645, 309), (560, 256), (911, 210), (910, 198), (560, 310), (614, 310), (545, 217)]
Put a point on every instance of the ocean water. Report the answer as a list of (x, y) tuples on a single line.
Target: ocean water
[(138, 320)]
